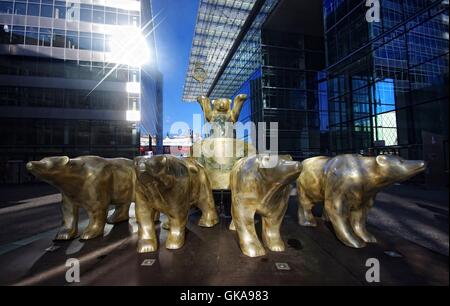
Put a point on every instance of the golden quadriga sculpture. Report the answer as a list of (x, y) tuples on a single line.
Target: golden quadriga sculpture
[(92, 183), (170, 185), (261, 184), (221, 150), (348, 185)]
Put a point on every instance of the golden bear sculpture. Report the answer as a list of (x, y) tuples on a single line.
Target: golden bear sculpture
[(170, 185), (221, 111), (348, 185), (261, 184), (92, 183)]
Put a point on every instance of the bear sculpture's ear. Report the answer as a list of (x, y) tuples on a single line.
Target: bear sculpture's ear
[(268, 161), (65, 160), (381, 160), (228, 103)]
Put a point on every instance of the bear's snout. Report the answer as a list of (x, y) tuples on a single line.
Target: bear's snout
[(29, 166), (142, 168), (35, 165)]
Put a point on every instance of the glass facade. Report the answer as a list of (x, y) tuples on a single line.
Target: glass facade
[(291, 68), (280, 71), (62, 90), (218, 25), (388, 80)]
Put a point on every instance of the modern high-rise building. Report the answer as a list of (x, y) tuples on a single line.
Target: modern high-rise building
[(151, 87), (273, 51), (76, 77), (388, 80), (335, 80)]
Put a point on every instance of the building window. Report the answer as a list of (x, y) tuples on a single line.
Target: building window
[(32, 36), (86, 13), (72, 40), (45, 37), (135, 21), (33, 9), (6, 7), (18, 35), (98, 14), (123, 17), (60, 10), (20, 8), (111, 16), (58, 38), (85, 41), (98, 42), (46, 11)]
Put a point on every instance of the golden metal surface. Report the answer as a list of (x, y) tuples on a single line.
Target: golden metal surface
[(92, 183), (170, 185), (259, 187), (221, 150), (221, 111), (218, 155), (348, 185)]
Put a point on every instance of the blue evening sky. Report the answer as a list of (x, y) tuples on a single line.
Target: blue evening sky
[(173, 41)]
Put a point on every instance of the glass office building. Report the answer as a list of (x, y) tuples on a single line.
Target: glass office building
[(388, 80), (66, 85), (276, 58)]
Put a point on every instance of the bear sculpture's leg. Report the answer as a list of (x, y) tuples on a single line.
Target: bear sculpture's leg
[(207, 206), (120, 214), (69, 228), (232, 227), (177, 228), (305, 205), (325, 217), (97, 212), (340, 219), (271, 232), (145, 216), (358, 220), (244, 221)]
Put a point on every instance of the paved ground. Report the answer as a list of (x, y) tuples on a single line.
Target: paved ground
[(410, 221), (414, 213)]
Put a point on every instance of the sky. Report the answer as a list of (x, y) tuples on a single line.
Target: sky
[(173, 43)]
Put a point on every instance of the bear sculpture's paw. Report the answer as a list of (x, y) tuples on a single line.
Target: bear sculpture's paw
[(147, 246), (276, 246), (355, 243), (174, 242), (66, 234), (208, 222), (91, 234), (254, 250), (369, 238), (232, 226)]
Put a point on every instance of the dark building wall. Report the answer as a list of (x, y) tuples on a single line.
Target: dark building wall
[(290, 73), (278, 65), (388, 80), (152, 107), (151, 84), (52, 56)]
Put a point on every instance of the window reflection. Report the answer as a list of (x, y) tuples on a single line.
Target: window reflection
[(71, 11)]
